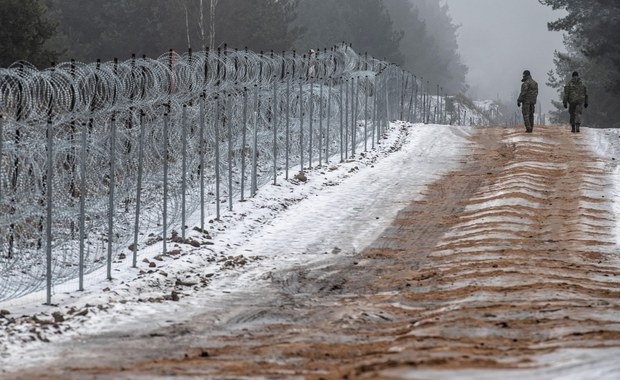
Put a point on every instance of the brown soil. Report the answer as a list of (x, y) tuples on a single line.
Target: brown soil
[(458, 281)]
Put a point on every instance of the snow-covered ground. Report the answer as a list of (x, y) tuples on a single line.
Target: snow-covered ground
[(293, 223), (339, 210)]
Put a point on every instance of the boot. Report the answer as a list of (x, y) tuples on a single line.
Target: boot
[(577, 127), (572, 128)]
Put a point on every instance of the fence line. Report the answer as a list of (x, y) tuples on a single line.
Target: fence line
[(94, 157)]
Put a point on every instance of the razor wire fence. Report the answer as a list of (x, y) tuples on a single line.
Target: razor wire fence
[(96, 157)]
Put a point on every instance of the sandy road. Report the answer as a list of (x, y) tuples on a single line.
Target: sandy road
[(508, 259)]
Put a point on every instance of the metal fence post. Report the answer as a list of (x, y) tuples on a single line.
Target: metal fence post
[(274, 118), (320, 121), (346, 120), (244, 127), (255, 142), (342, 112), (402, 95), (366, 114), (429, 102), (414, 99), (288, 122), (410, 106), (111, 195), (387, 108), (423, 101), (329, 119), (355, 114), (375, 96), (311, 124), (435, 121), (216, 130), (83, 190), (301, 125), (183, 169), (228, 120), (48, 226), (202, 149), (165, 174), (138, 189)]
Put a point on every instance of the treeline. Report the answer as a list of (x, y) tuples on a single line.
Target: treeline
[(416, 34), (592, 41)]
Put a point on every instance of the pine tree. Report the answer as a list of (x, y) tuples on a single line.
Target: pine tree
[(444, 65), (256, 24), (593, 44), (24, 31), (119, 28), (365, 24)]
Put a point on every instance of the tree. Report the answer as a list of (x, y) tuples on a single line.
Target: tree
[(593, 43), (416, 34), (365, 24), (24, 31), (598, 76), (442, 64), (118, 28), (256, 24)]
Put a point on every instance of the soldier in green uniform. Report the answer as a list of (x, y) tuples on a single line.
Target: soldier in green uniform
[(575, 99), (527, 100)]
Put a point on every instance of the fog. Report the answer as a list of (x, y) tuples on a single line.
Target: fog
[(498, 39)]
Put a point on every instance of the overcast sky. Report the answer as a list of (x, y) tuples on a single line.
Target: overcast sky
[(498, 39)]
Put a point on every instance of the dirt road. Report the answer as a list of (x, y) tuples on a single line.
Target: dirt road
[(503, 262)]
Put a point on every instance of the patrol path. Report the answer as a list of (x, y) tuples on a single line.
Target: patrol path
[(506, 263)]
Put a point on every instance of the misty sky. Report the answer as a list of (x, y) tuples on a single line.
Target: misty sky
[(498, 39)]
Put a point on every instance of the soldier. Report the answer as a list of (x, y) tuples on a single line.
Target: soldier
[(528, 98), (575, 99)]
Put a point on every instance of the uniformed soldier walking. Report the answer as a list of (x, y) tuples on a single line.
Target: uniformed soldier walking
[(575, 99), (527, 100)]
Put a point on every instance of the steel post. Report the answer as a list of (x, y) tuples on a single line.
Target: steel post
[(183, 169), (216, 130), (202, 149), (83, 191), (165, 174), (274, 118), (311, 125), (138, 189), (288, 125), (48, 226), (244, 127), (111, 196)]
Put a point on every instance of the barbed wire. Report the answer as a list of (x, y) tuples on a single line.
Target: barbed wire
[(124, 148)]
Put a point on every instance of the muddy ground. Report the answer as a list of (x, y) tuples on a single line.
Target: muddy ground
[(507, 260)]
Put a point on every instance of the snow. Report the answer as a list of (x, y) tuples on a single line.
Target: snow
[(271, 231), (340, 210)]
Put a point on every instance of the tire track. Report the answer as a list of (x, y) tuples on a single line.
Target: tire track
[(509, 258)]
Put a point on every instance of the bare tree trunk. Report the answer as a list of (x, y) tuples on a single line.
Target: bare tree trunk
[(201, 25), (189, 45), (212, 24)]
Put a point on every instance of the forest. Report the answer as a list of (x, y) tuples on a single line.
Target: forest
[(592, 40), (418, 35)]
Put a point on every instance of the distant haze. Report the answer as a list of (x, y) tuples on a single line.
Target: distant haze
[(498, 39)]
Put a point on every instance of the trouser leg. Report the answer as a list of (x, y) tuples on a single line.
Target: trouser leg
[(571, 111), (578, 113), (528, 116), (527, 119)]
